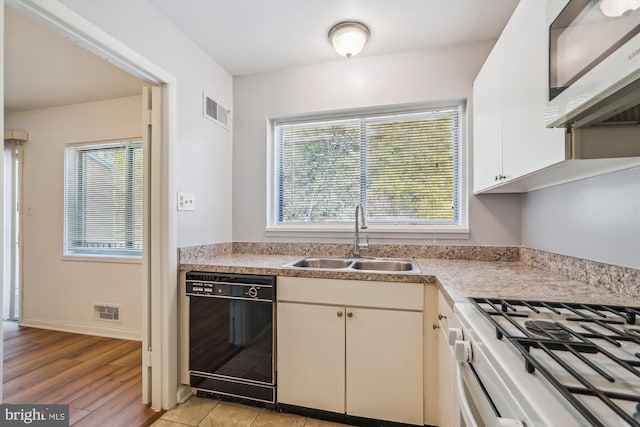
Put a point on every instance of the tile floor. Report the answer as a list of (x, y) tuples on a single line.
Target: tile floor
[(198, 412)]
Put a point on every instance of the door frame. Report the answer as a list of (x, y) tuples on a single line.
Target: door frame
[(13, 242), (161, 264)]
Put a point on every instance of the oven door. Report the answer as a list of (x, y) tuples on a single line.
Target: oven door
[(476, 406)]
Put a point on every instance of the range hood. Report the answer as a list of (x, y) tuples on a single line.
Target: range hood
[(609, 128), (619, 109)]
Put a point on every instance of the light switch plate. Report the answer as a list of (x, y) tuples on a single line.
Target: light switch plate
[(186, 202)]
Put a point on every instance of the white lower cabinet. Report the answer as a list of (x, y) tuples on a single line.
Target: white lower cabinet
[(311, 356), (384, 365), (449, 409), (350, 359)]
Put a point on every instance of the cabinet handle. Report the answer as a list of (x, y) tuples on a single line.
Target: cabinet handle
[(339, 314), (441, 316), (435, 326), (349, 314), (499, 177)]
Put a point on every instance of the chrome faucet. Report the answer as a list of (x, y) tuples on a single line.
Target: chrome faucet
[(357, 245)]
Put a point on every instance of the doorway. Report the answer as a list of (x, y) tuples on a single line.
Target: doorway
[(159, 263)]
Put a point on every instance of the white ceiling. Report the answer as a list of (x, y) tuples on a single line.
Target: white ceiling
[(44, 69), (252, 36)]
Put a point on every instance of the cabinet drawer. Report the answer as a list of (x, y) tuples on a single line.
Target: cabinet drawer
[(393, 295)]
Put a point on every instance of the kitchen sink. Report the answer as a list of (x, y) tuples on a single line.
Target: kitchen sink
[(332, 263), (356, 264), (383, 265)]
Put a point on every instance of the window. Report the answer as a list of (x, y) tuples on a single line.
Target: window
[(403, 168), (103, 199)]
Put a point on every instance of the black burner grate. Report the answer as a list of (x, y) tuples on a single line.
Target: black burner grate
[(616, 320)]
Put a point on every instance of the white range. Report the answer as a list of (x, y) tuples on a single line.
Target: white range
[(536, 363)]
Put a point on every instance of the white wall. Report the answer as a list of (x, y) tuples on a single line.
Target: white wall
[(59, 293), (412, 77), (596, 218), (203, 151)]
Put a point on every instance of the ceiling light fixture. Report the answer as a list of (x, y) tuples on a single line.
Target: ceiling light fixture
[(348, 38), (617, 8)]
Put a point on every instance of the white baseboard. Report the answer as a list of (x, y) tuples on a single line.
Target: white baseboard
[(81, 328)]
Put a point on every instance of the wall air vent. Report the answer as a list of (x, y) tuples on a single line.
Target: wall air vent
[(215, 112), (106, 312)]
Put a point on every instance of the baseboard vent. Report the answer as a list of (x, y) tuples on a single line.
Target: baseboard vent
[(215, 112), (109, 313)]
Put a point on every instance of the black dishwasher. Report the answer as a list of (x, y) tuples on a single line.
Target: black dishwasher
[(231, 334)]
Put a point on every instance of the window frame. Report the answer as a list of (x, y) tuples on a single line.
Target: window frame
[(377, 229), (124, 256)]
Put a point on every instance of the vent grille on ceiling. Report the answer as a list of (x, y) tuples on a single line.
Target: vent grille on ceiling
[(215, 112)]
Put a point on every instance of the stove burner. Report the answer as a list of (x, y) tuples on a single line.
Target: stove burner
[(547, 329), (583, 341)]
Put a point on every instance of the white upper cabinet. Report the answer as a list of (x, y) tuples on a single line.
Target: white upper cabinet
[(513, 150), (487, 123), (510, 139), (529, 146)]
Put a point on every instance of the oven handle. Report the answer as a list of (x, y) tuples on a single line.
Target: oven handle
[(478, 390)]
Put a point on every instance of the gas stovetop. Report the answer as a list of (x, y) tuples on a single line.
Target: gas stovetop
[(589, 353)]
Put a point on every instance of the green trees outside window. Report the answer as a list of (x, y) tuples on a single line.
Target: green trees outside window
[(403, 167), (103, 199)]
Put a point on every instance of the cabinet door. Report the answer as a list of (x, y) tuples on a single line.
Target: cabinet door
[(487, 123), (384, 365), (528, 145), (311, 348)]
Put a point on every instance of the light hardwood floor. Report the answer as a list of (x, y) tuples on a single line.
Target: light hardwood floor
[(99, 378)]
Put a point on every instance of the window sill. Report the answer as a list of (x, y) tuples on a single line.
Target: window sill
[(374, 232), (102, 259)]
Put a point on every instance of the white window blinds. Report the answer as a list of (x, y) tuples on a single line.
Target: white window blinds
[(103, 199), (403, 168)]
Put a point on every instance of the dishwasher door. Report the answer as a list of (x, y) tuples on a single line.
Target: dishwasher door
[(231, 335)]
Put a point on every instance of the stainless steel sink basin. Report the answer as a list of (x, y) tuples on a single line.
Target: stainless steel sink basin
[(357, 264), (333, 263), (383, 265)]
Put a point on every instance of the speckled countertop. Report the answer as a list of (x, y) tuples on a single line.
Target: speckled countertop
[(456, 278), (462, 279)]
